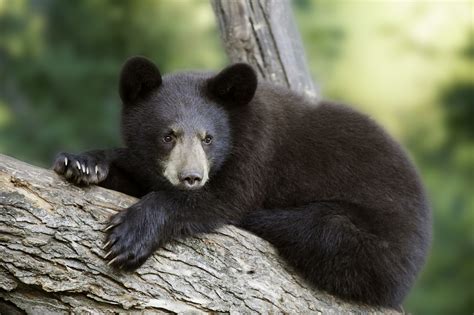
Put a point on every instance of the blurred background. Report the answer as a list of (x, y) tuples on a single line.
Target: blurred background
[(408, 64)]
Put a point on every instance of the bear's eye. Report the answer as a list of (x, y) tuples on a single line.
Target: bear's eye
[(207, 140), (168, 138)]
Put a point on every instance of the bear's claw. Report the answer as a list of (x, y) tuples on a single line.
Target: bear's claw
[(76, 168)]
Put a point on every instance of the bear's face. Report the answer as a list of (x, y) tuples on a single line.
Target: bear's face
[(178, 125)]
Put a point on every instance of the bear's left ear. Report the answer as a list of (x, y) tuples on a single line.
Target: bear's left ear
[(235, 85), (139, 76)]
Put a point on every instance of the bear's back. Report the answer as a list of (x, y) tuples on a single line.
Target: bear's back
[(325, 151)]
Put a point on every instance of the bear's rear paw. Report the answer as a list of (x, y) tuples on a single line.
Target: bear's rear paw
[(80, 169)]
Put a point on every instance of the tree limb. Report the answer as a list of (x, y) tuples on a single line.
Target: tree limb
[(51, 262)]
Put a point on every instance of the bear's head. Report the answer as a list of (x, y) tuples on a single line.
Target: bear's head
[(177, 125)]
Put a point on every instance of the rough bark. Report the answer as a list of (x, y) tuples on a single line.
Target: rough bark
[(51, 260), (264, 34)]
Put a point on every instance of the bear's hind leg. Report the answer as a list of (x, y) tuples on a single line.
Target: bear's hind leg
[(342, 254)]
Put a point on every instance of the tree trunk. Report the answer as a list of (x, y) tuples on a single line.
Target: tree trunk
[(264, 34), (51, 262)]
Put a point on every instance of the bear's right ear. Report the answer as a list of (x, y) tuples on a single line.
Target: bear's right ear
[(138, 77), (234, 86)]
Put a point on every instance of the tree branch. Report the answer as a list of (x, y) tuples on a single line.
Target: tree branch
[(51, 262)]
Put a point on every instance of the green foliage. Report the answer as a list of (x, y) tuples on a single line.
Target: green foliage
[(458, 106), (408, 64), (60, 62)]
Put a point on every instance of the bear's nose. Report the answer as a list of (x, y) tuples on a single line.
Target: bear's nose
[(190, 179)]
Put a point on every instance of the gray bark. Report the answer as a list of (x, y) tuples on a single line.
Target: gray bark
[(51, 262), (263, 33)]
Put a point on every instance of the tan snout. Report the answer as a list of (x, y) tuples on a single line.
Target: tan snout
[(187, 166)]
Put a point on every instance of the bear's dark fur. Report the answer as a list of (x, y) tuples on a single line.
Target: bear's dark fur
[(324, 184)]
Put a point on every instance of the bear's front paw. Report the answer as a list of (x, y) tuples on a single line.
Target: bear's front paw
[(133, 235), (80, 169)]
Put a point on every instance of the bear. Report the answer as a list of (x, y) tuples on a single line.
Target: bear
[(336, 196)]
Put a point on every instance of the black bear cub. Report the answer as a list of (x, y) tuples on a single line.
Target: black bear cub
[(336, 196)]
